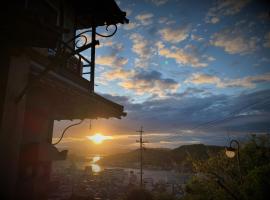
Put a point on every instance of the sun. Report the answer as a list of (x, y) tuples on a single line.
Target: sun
[(98, 138)]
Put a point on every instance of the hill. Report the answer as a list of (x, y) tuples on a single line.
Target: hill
[(162, 158)]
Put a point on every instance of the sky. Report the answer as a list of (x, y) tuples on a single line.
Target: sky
[(187, 71)]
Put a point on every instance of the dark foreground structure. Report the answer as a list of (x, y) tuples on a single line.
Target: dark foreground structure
[(42, 80)]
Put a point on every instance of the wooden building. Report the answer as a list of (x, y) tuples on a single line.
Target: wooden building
[(41, 81)]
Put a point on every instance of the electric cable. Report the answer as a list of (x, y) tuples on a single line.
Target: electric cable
[(231, 115), (64, 131)]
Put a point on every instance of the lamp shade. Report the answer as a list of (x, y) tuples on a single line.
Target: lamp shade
[(230, 152)]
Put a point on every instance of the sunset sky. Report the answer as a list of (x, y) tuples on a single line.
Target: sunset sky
[(189, 71)]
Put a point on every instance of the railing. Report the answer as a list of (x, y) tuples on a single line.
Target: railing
[(64, 53), (76, 62)]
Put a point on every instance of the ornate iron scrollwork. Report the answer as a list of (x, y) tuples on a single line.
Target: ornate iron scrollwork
[(81, 39), (107, 29)]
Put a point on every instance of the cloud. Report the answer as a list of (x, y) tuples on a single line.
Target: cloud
[(128, 11), (118, 74), (130, 26), (186, 118), (152, 83), (196, 38), (145, 19), (175, 35), (199, 79), (224, 8), (111, 61), (159, 2), (68, 139), (106, 43), (142, 48), (215, 20), (165, 20), (247, 82), (267, 40), (114, 46), (181, 57), (183, 113), (234, 42), (123, 100)]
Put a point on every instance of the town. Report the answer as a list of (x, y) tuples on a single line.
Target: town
[(69, 181)]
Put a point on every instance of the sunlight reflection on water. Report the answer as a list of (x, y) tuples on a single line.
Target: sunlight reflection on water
[(95, 159), (96, 169)]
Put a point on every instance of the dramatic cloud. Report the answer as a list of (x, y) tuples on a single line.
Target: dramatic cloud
[(187, 118), (145, 19), (182, 72), (150, 83), (247, 82), (224, 8), (234, 42), (193, 114), (142, 48), (174, 35), (181, 57), (267, 40)]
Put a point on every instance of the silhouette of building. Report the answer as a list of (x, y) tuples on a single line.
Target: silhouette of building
[(42, 80)]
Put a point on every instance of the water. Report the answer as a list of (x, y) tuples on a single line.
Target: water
[(156, 175), (96, 168)]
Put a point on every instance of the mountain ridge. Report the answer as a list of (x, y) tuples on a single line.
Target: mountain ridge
[(161, 158)]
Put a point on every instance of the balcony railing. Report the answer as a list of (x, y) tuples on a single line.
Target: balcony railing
[(74, 62), (69, 55)]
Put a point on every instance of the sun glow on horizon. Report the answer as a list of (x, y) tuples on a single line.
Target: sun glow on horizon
[(98, 138)]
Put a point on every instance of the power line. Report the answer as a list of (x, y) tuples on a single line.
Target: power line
[(230, 116), (63, 133)]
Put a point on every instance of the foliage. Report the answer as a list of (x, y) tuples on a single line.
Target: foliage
[(163, 196), (138, 193), (143, 194), (219, 177)]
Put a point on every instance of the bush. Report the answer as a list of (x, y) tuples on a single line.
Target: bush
[(219, 177)]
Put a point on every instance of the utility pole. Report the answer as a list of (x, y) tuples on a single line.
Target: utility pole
[(141, 154)]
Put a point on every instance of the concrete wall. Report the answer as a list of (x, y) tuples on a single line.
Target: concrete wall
[(14, 71), (25, 122), (34, 175)]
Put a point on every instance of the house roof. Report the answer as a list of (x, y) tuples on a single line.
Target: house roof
[(68, 94), (98, 13), (36, 25)]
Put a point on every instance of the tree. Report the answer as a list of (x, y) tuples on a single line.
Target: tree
[(164, 196), (139, 194), (219, 177)]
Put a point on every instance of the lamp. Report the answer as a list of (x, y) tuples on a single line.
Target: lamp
[(231, 152)]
